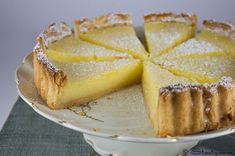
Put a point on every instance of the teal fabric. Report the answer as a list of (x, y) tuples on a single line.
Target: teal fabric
[(26, 133)]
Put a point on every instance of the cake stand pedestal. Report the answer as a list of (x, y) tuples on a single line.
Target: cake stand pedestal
[(108, 147)]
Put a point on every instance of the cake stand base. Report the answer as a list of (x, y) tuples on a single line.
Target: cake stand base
[(108, 147)]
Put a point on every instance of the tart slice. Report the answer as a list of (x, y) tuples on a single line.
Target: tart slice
[(220, 33), (112, 31), (196, 107), (70, 49), (177, 106), (204, 69), (154, 78), (215, 39), (163, 31), (64, 84)]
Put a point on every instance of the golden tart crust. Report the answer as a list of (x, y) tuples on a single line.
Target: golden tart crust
[(196, 107), (48, 79), (171, 17), (108, 20), (221, 28)]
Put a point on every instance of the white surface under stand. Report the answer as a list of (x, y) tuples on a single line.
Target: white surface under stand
[(109, 147)]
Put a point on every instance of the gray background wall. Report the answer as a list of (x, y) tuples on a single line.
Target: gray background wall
[(21, 21)]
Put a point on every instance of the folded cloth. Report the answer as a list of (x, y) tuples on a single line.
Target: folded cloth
[(27, 133)]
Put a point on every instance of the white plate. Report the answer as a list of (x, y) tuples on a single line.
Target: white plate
[(119, 116)]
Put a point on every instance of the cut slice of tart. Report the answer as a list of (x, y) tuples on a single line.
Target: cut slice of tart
[(215, 39), (163, 31), (220, 33), (196, 107), (70, 49), (207, 69), (154, 77), (64, 84), (177, 106), (112, 31)]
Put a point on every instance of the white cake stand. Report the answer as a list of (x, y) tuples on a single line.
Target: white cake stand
[(113, 125), (107, 147)]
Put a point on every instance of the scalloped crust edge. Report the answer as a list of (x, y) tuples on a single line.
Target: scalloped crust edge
[(85, 25), (54, 32), (222, 28), (193, 108), (190, 19), (48, 79)]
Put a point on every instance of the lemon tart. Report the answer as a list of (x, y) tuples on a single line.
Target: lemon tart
[(71, 49), (215, 39), (64, 84), (163, 31), (112, 31), (179, 106), (185, 92)]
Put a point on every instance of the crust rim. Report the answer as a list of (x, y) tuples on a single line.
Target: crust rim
[(85, 25), (215, 101), (190, 19), (48, 79), (223, 28)]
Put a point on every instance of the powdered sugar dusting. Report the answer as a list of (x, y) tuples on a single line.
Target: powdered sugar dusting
[(219, 30), (55, 32), (193, 47), (170, 17), (179, 87), (84, 70), (71, 45), (226, 82), (177, 19), (199, 46), (42, 57), (163, 38), (108, 20), (166, 63), (222, 28)]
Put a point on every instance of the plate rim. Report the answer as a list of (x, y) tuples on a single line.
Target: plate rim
[(159, 140)]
